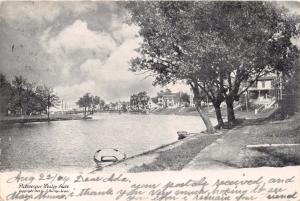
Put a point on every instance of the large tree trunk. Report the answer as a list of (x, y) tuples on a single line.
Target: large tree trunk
[(230, 111), (209, 127), (219, 115)]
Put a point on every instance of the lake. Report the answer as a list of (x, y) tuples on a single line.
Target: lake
[(60, 144)]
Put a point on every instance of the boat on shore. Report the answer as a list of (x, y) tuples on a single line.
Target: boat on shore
[(89, 116), (107, 156), (182, 134)]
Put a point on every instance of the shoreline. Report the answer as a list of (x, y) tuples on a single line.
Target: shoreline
[(38, 118), (176, 111)]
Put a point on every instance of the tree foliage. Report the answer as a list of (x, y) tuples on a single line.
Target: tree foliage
[(213, 46), (47, 98), (85, 102), (89, 103), (22, 97), (139, 101), (5, 94)]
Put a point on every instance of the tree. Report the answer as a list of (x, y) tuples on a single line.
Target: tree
[(257, 37), (102, 104), (18, 94), (143, 99), (23, 99), (85, 102), (47, 98), (95, 103), (291, 89), (134, 102), (29, 98), (5, 94), (213, 46), (174, 49), (140, 100)]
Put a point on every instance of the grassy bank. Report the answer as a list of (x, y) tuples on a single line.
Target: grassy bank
[(285, 138), (254, 143), (191, 111), (39, 118), (177, 157)]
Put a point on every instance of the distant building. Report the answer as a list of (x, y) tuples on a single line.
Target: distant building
[(169, 100), (114, 106), (55, 110)]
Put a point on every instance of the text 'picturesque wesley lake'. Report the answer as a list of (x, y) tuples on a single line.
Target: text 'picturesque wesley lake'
[(73, 143)]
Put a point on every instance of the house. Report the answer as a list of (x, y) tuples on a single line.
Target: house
[(169, 100), (113, 106), (265, 90)]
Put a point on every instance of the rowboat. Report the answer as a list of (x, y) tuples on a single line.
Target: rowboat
[(108, 156), (182, 134)]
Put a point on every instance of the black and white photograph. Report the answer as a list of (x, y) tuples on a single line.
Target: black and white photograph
[(149, 86)]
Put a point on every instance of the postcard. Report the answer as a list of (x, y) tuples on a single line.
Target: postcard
[(149, 100)]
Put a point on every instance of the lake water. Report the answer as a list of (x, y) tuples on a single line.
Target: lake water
[(73, 143)]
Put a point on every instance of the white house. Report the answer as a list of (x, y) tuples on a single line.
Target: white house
[(266, 89), (169, 100)]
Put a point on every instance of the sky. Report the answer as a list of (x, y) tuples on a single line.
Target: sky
[(75, 47)]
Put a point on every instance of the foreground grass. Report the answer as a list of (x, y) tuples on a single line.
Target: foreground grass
[(272, 157), (177, 157), (279, 132)]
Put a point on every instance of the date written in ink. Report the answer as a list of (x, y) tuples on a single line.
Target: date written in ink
[(42, 177)]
